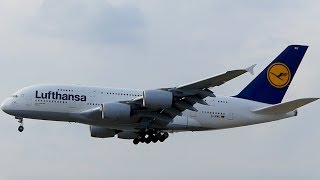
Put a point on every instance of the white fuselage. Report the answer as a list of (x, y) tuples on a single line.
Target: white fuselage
[(68, 102)]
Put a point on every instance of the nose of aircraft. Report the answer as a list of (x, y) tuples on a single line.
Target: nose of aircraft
[(5, 105)]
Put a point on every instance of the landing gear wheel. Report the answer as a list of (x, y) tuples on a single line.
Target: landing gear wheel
[(154, 139), (20, 120), (164, 136), (162, 139), (20, 128), (148, 140), (151, 135), (158, 135), (136, 141), (142, 140)]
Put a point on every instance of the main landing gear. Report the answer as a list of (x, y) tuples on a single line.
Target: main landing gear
[(151, 135), (20, 128)]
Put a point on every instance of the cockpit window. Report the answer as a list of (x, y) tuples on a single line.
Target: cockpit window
[(15, 96)]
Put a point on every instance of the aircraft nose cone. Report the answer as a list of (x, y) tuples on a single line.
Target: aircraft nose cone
[(9, 106), (5, 106)]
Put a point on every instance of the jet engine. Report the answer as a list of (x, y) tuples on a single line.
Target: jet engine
[(116, 111), (127, 135), (102, 132), (157, 99)]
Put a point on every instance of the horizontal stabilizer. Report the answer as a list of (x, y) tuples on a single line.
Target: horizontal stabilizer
[(285, 107)]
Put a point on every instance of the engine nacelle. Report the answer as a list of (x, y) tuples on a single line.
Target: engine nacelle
[(102, 132), (127, 135), (157, 99), (116, 111)]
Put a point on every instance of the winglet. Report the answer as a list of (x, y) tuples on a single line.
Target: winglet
[(250, 69)]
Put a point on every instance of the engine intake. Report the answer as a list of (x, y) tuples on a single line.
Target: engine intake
[(157, 99), (116, 111)]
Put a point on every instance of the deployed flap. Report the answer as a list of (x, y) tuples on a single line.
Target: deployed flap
[(216, 80), (284, 107)]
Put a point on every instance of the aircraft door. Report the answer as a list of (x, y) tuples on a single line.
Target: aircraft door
[(72, 104), (193, 114), (28, 101), (210, 101), (230, 116)]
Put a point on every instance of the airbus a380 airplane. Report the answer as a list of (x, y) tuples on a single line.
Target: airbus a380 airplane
[(148, 115)]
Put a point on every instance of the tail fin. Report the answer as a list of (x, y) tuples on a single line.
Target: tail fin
[(272, 83)]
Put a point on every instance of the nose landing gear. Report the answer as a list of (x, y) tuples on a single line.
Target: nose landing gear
[(20, 128), (20, 120)]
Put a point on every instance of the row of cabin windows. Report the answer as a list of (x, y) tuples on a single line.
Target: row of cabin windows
[(93, 104), (65, 90), (121, 94), (222, 101), (62, 102), (208, 112), (219, 101), (52, 101)]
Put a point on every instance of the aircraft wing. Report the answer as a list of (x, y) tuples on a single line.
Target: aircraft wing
[(217, 80), (184, 97)]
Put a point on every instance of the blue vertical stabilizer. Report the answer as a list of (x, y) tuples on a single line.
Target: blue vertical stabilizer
[(272, 83)]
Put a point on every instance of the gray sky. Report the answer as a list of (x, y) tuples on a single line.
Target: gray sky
[(151, 44)]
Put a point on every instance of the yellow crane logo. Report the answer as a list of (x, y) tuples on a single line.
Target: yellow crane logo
[(279, 75)]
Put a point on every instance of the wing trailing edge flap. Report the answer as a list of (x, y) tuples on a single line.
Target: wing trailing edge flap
[(284, 107), (157, 116)]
